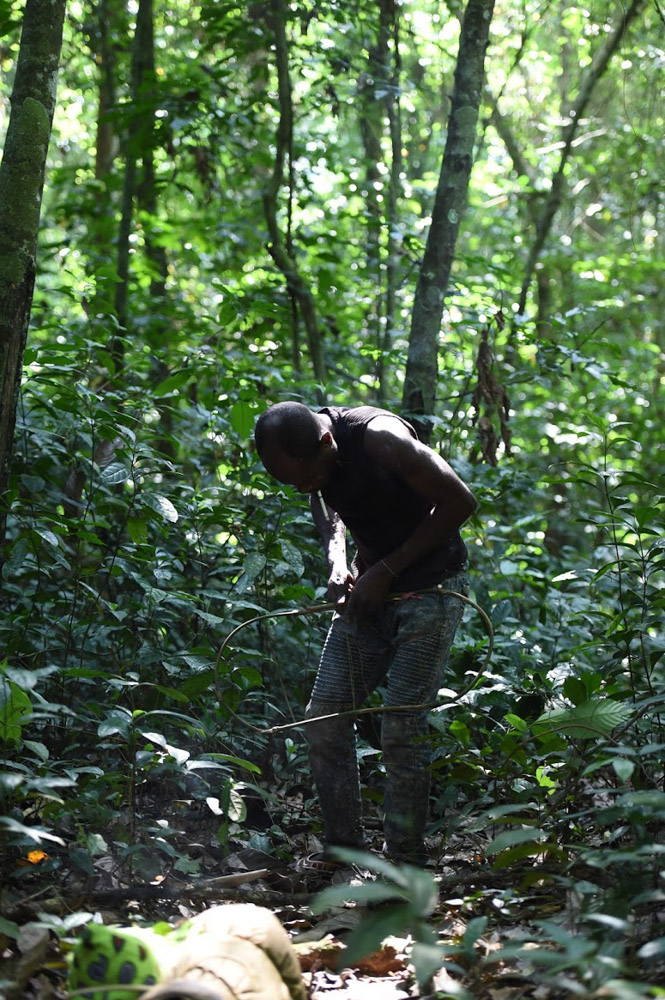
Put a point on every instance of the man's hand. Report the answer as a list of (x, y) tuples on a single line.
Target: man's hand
[(340, 585), (369, 592)]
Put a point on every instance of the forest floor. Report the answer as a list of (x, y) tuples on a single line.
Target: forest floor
[(485, 921)]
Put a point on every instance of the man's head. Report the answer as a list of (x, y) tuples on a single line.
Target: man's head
[(295, 446)]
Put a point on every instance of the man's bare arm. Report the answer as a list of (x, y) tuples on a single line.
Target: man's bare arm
[(389, 443), (333, 535)]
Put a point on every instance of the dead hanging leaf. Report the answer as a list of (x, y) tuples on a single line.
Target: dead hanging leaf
[(490, 401)]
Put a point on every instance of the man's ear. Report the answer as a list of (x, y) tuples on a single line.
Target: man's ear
[(326, 440)]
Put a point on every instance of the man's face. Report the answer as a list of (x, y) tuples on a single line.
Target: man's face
[(307, 476)]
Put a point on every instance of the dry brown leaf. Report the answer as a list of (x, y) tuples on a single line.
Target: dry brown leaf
[(320, 954), (328, 954)]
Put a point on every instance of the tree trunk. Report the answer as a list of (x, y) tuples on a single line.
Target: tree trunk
[(279, 249), (139, 138), (146, 90), (390, 27), (370, 120), (102, 49), (21, 184), (450, 200)]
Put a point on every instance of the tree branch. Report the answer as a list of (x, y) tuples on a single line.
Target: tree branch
[(598, 66)]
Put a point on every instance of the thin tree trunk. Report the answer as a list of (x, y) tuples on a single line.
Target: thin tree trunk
[(390, 26), (279, 251), (21, 185), (105, 27), (450, 201), (106, 145), (147, 189), (138, 138), (370, 121)]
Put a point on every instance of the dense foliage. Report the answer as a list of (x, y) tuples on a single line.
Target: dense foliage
[(142, 527)]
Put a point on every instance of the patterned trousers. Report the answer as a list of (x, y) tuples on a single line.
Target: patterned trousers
[(407, 644)]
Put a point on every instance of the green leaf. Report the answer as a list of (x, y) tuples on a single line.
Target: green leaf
[(115, 473), (292, 556), (516, 722), (38, 749), (162, 505), (509, 838), (644, 799), (543, 778), (208, 618), (170, 692), (366, 892), (15, 708), (426, 959), (460, 731), (374, 928), (114, 723), (9, 928), (48, 536), (34, 833), (623, 768), (243, 416), (137, 528), (593, 718), (96, 844), (253, 565), (237, 811), (246, 765), (172, 383), (652, 949), (512, 854), (575, 690)]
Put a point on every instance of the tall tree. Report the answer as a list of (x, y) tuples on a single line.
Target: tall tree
[(139, 145), (280, 248), (22, 174), (449, 204), (378, 92)]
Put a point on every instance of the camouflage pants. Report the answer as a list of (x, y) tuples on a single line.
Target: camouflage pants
[(407, 645)]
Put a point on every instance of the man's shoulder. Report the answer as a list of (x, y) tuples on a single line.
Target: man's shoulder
[(386, 425), (363, 415)]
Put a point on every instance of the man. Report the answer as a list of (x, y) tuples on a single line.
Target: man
[(403, 505)]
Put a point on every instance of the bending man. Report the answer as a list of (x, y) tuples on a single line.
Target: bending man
[(403, 505)]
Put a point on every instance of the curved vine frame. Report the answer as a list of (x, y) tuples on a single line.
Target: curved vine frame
[(332, 606)]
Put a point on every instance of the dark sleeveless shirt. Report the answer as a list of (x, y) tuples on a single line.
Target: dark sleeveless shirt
[(379, 510)]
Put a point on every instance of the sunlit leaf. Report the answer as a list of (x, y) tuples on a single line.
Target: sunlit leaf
[(652, 949), (593, 718), (114, 473), (243, 416), (162, 505)]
